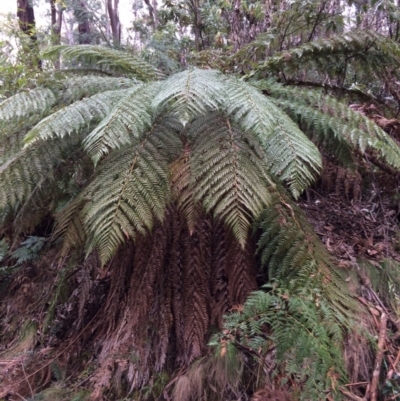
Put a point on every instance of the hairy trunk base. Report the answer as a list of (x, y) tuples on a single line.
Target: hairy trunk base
[(150, 311)]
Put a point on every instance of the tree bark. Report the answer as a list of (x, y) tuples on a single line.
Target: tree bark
[(56, 24), (114, 20), (27, 24), (81, 14)]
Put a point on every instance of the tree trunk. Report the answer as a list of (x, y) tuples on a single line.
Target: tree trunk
[(82, 16), (27, 24), (56, 23), (114, 20)]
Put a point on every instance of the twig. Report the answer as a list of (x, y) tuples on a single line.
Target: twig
[(20, 396), (379, 357), (397, 359), (351, 396), (355, 384), (26, 378)]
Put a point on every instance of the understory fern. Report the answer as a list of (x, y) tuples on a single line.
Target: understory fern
[(307, 337), (305, 312)]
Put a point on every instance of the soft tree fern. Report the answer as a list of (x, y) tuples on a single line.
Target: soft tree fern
[(203, 144)]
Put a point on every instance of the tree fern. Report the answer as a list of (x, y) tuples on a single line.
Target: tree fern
[(176, 167)]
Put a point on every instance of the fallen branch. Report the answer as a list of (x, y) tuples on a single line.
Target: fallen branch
[(379, 357)]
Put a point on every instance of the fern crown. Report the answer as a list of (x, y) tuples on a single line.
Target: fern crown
[(198, 139)]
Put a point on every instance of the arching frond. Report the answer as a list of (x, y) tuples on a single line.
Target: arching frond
[(182, 188), (191, 93), (76, 116), (69, 224), (292, 158), (331, 119), (230, 176), (371, 47), (106, 59), (24, 104), (130, 191), (128, 120), (295, 256), (21, 173), (77, 88)]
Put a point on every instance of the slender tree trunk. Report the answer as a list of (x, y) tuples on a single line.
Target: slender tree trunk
[(56, 24), (197, 25), (114, 20), (27, 24), (153, 14)]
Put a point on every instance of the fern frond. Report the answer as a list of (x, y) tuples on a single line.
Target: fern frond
[(106, 59), (129, 119), (295, 256), (330, 119), (21, 172), (230, 176), (374, 49), (130, 191), (307, 334), (73, 118), (291, 157), (25, 104), (191, 93), (182, 188), (69, 224), (77, 88)]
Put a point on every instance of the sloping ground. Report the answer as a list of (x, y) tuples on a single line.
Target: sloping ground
[(357, 217)]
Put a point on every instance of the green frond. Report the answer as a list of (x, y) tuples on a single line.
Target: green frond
[(106, 59), (182, 188), (78, 115), (69, 224), (130, 190), (303, 327), (295, 256), (25, 104), (131, 116), (291, 157), (230, 176), (191, 93), (372, 48), (21, 172), (77, 88), (334, 122), (36, 205)]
